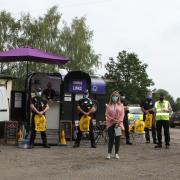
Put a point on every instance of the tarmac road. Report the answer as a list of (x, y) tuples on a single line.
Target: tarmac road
[(137, 162)]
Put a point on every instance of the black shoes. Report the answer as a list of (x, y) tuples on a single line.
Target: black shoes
[(158, 146), (76, 146), (93, 146), (129, 143), (46, 146)]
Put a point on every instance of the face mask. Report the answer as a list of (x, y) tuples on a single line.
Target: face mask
[(39, 93), (161, 99), (86, 95), (149, 97), (114, 98)]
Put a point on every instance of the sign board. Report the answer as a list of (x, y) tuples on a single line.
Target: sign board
[(18, 100), (11, 129), (77, 86)]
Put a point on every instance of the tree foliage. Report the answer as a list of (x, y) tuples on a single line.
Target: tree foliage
[(129, 76), (50, 34), (76, 43)]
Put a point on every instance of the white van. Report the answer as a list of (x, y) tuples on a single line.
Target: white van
[(4, 106)]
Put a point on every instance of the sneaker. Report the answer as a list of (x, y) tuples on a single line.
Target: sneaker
[(108, 156), (167, 146), (147, 142), (76, 146), (116, 156), (158, 146)]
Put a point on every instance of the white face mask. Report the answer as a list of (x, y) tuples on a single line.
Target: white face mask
[(39, 93), (115, 99)]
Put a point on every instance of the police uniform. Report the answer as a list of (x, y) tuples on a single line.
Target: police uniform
[(40, 104), (147, 105), (126, 122), (162, 120), (85, 104)]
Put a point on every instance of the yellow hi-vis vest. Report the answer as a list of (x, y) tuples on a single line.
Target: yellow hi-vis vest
[(160, 107)]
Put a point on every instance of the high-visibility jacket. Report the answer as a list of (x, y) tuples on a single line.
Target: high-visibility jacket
[(160, 107)]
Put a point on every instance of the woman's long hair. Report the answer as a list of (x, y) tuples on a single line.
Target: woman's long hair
[(116, 93)]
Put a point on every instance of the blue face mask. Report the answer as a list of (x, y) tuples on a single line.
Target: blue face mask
[(115, 99), (149, 97)]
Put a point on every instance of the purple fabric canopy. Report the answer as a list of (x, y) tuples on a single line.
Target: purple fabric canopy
[(31, 54)]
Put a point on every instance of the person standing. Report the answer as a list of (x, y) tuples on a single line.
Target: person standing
[(147, 107), (163, 110), (38, 107), (49, 93), (125, 120), (114, 117), (85, 108)]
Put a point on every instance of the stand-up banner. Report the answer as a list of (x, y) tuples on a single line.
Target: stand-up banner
[(77, 86)]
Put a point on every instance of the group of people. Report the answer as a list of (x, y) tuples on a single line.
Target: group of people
[(116, 118)]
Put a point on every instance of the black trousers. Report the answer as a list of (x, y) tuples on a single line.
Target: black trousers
[(33, 134), (112, 137), (165, 125), (126, 127), (147, 135), (91, 135)]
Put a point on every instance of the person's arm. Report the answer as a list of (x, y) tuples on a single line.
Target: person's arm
[(33, 108), (46, 109), (80, 110), (119, 120)]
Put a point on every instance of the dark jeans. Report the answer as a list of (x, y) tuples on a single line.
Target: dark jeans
[(126, 126), (33, 134), (165, 125), (112, 137), (91, 135), (147, 135)]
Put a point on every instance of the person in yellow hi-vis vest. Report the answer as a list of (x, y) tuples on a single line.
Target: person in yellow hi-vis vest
[(163, 109), (38, 107)]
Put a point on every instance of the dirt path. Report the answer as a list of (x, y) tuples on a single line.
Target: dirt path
[(137, 162)]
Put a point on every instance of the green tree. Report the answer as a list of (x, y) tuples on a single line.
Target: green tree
[(129, 75), (177, 105), (50, 34), (76, 43)]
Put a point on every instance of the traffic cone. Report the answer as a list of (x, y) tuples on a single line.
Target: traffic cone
[(62, 138), (20, 135)]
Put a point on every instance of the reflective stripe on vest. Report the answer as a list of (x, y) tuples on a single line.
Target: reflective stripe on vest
[(160, 115)]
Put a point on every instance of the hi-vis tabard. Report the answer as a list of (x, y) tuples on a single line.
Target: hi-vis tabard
[(84, 123), (160, 107), (40, 123)]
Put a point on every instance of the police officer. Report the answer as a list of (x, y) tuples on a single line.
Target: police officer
[(39, 107), (147, 107), (125, 120), (163, 109), (85, 107)]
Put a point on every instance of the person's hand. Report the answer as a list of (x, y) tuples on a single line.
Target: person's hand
[(41, 113), (86, 114), (146, 112)]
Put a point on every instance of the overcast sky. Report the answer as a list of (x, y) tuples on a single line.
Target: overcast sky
[(150, 28)]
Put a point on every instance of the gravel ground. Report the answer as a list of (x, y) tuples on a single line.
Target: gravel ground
[(137, 162)]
